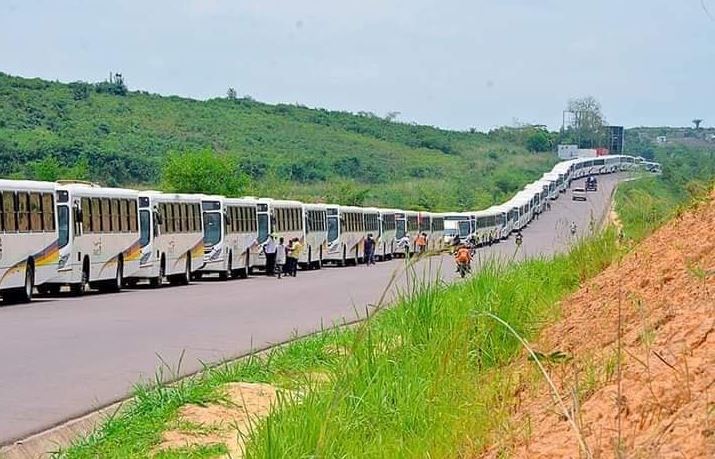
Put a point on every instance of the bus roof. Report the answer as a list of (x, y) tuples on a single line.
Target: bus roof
[(82, 189), (27, 185)]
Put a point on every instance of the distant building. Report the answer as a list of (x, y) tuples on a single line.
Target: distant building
[(568, 151), (661, 139)]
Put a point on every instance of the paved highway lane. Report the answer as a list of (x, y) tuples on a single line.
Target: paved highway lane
[(62, 357)]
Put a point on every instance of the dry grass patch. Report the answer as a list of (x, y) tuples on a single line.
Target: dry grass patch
[(228, 422)]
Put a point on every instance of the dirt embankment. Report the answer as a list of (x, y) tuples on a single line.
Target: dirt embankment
[(648, 390)]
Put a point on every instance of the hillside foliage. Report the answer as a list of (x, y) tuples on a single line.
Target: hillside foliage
[(106, 133)]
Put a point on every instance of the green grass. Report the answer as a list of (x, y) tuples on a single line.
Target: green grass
[(646, 203), (418, 379)]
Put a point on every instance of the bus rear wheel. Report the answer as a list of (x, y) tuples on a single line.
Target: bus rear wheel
[(183, 278), (114, 285)]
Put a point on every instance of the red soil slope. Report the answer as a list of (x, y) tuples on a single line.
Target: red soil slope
[(660, 400)]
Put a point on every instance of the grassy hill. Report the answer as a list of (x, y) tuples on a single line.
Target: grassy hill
[(105, 133)]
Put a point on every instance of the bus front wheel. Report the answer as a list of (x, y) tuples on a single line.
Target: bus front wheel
[(82, 287), (24, 293), (225, 275)]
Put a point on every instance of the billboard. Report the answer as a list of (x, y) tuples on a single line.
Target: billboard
[(616, 139)]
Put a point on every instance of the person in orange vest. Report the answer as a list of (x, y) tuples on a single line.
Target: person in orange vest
[(463, 257), (421, 242)]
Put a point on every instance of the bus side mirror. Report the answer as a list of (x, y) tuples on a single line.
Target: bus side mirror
[(78, 215), (157, 218)]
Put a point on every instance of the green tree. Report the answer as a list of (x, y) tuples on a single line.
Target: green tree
[(587, 126), (539, 140), (203, 171)]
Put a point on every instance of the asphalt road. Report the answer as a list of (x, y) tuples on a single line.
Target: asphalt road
[(63, 357)]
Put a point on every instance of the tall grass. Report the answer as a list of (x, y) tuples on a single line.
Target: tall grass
[(412, 382), (417, 379)]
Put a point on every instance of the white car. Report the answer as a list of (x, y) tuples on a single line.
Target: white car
[(578, 194)]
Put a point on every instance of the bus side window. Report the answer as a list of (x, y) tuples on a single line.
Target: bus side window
[(48, 211), (181, 212), (35, 212), (23, 212), (86, 216), (2, 211), (115, 215), (96, 215), (9, 214), (190, 218), (198, 223), (169, 227), (104, 212), (123, 215), (133, 215)]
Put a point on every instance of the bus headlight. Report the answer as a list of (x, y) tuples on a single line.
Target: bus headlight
[(215, 254), (63, 261), (145, 258)]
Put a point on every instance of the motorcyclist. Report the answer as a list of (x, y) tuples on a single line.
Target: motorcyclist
[(463, 257), (519, 238), (573, 228)]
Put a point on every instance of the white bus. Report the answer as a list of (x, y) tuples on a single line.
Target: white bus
[(98, 237), (487, 227), (346, 233), (504, 220), (315, 237), (28, 237), (385, 239), (456, 224), (283, 218), (230, 234), (171, 237)]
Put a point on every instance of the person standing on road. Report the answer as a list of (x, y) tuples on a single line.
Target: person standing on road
[(287, 266), (369, 250), (421, 243), (269, 249), (280, 257), (295, 251)]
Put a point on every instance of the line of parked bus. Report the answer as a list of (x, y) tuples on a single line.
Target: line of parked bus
[(85, 236)]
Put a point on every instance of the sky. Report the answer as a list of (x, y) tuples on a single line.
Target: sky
[(453, 64)]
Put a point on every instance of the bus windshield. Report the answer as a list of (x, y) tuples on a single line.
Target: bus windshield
[(262, 228), (332, 228), (212, 228), (464, 229), (400, 229), (144, 228), (63, 223)]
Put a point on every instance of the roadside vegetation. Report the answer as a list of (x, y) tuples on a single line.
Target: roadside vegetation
[(645, 204), (416, 378), (105, 133)]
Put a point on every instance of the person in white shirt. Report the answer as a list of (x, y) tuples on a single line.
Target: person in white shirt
[(280, 257), (270, 248)]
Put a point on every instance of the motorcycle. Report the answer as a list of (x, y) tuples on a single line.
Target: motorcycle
[(463, 269)]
